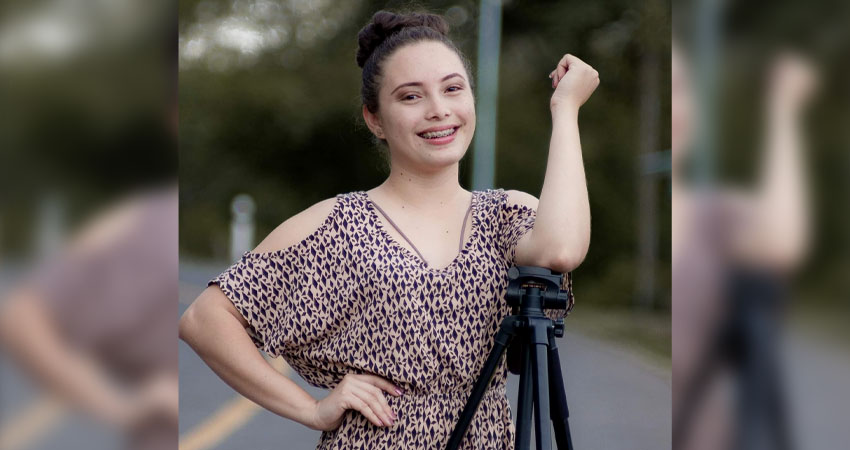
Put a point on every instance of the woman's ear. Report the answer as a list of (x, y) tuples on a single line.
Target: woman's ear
[(373, 122)]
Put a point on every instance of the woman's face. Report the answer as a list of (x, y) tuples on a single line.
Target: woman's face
[(426, 111)]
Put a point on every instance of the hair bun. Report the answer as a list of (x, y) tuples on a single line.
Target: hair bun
[(384, 24)]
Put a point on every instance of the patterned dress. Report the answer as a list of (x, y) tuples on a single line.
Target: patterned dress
[(349, 298)]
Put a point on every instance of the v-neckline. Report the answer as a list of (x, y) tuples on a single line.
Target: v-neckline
[(411, 254)]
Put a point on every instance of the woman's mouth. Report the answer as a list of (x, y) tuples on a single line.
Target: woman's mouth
[(440, 137)]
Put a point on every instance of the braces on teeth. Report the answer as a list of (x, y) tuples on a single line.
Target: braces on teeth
[(436, 134)]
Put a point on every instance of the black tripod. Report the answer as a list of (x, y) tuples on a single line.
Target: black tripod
[(746, 343), (534, 358)]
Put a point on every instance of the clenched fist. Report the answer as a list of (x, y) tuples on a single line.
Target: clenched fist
[(364, 393), (573, 81)]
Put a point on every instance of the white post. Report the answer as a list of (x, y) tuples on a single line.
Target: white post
[(242, 226), (51, 225)]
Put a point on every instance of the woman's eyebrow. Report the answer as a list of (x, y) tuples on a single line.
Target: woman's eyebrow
[(419, 83)]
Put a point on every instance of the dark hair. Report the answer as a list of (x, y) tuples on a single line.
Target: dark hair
[(388, 32)]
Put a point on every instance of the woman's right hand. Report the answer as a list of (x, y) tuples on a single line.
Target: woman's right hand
[(364, 393)]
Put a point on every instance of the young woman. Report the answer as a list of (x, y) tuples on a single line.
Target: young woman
[(399, 289)]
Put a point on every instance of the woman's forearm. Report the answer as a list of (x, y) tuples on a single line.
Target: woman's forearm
[(221, 341), (563, 213)]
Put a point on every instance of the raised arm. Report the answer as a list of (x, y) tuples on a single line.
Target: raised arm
[(775, 216), (561, 233)]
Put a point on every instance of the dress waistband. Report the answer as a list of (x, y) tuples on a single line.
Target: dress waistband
[(457, 396)]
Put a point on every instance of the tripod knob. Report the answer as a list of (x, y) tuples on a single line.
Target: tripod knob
[(559, 328)]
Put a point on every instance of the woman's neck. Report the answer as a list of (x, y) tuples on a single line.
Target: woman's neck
[(421, 191)]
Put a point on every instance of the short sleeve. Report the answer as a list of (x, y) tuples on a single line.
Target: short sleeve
[(514, 221), (255, 285)]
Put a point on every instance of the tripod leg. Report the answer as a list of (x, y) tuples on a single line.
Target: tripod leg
[(694, 391), (763, 413), (541, 385), (525, 400), (558, 399), (752, 391), (778, 412), (502, 339), (770, 369)]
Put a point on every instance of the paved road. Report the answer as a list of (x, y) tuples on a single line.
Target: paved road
[(617, 400)]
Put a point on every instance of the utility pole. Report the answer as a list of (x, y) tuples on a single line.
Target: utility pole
[(489, 43)]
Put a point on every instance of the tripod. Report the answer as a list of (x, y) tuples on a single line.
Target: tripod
[(747, 344), (534, 358)]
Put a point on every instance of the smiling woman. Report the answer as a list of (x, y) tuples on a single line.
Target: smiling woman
[(381, 41), (399, 290), (427, 112)]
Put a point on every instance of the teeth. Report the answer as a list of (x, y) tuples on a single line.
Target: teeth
[(436, 134)]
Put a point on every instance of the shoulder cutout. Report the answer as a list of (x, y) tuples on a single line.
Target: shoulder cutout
[(521, 198), (297, 227)]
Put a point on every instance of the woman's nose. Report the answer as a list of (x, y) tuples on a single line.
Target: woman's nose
[(438, 108)]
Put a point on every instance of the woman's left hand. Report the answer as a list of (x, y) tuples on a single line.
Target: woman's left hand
[(574, 81)]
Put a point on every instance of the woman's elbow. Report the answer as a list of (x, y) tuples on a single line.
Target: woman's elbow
[(187, 324), (562, 258), (210, 311), (565, 259)]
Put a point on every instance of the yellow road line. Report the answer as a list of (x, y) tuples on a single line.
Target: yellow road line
[(226, 420), (32, 423)]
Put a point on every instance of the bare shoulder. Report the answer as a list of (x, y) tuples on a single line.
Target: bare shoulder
[(297, 227), (522, 198)]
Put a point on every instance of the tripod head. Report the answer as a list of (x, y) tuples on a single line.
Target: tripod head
[(531, 289)]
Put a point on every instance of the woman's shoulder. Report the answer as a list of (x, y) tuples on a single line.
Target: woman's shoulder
[(298, 228)]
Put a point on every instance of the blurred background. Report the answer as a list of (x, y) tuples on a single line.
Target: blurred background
[(88, 224), (760, 244), (270, 124)]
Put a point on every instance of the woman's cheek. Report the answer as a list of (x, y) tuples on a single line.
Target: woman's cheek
[(470, 119)]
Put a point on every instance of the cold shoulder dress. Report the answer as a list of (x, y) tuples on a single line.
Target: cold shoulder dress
[(349, 298)]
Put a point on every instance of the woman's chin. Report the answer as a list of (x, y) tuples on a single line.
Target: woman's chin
[(433, 158), (447, 156)]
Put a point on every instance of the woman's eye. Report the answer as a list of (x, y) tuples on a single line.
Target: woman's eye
[(414, 96)]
